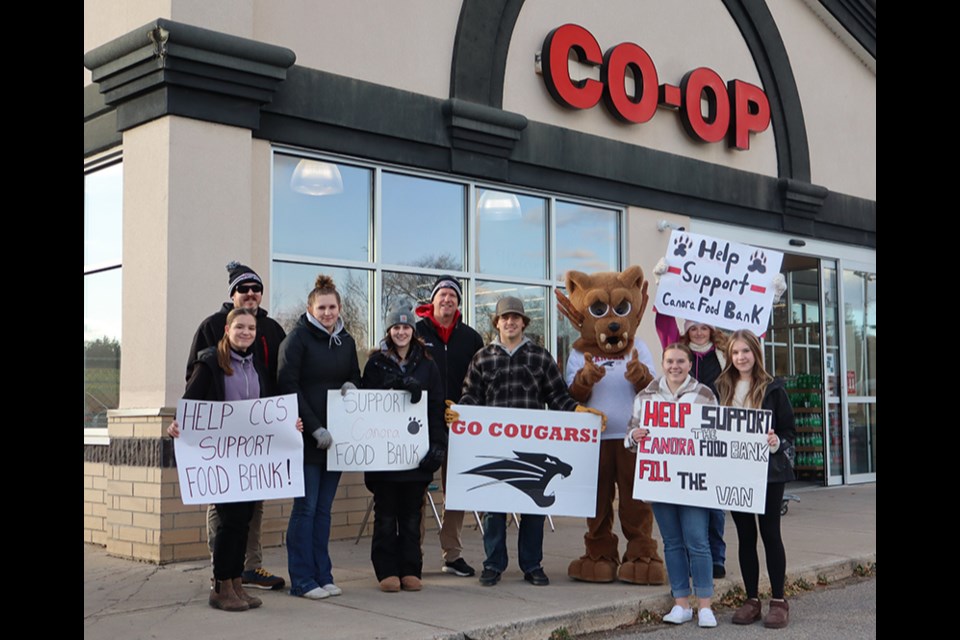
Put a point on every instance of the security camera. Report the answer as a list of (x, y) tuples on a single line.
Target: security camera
[(663, 225)]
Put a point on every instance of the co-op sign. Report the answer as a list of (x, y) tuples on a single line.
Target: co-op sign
[(734, 109)]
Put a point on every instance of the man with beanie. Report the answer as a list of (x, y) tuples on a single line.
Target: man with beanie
[(245, 289), (452, 344), (514, 372)]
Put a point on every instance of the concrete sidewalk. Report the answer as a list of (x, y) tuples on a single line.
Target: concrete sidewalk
[(828, 532)]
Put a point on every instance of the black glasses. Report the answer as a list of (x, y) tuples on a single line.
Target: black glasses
[(247, 288)]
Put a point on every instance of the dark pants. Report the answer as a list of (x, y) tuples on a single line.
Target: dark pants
[(230, 545), (769, 522), (395, 550)]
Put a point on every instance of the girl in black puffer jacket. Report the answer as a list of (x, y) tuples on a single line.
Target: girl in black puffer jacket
[(403, 363)]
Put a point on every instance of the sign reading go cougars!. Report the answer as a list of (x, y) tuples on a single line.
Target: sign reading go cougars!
[(703, 456), (720, 283), (376, 430), (239, 451), (523, 461)]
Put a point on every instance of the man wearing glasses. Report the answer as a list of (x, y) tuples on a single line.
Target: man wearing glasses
[(246, 291)]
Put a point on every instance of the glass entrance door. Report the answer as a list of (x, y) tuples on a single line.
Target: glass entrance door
[(859, 372)]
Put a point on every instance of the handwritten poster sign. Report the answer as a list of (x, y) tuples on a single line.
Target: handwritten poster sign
[(703, 456), (523, 461), (724, 284), (376, 430), (239, 451)]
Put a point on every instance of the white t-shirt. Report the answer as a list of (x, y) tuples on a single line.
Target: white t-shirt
[(613, 394)]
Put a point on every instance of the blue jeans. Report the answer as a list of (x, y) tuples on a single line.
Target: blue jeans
[(529, 541), (686, 548), (308, 534), (718, 548)]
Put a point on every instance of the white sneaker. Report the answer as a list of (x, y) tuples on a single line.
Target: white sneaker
[(678, 615), (319, 593), (705, 618), (332, 589)]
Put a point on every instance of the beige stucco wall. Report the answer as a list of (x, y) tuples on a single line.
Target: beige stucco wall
[(189, 198), (678, 36), (407, 45), (839, 97), (645, 246)]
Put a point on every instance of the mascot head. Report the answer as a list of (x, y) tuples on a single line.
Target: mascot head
[(606, 308)]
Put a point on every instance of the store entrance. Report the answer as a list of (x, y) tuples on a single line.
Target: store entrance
[(828, 359), (794, 350)]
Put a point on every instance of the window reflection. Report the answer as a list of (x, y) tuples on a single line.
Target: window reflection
[(292, 283), (334, 225), (588, 238), (423, 222), (102, 292), (511, 234)]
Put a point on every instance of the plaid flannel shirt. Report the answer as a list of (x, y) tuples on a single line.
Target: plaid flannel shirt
[(527, 379)]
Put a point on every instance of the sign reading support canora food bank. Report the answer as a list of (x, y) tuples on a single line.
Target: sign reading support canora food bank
[(239, 451), (703, 456), (375, 430), (523, 461), (724, 284)]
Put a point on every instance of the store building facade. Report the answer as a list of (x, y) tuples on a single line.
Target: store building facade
[(504, 141)]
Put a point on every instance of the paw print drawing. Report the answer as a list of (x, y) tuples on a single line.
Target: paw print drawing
[(758, 262), (414, 426), (681, 244)]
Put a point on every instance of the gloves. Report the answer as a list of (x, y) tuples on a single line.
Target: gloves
[(347, 386), (637, 373), (660, 269), (590, 374), (323, 437), (449, 415), (603, 417), (434, 459), (411, 384)]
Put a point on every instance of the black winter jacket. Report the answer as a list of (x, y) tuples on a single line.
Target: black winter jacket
[(206, 380), (266, 347), (383, 372), (780, 468), (452, 358), (311, 363)]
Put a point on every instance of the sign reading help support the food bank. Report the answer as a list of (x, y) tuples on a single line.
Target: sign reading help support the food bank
[(720, 283), (703, 456), (523, 461), (239, 451), (375, 430)]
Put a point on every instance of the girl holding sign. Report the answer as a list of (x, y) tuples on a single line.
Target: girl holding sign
[(709, 347), (402, 363), (745, 383), (684, 528), (317, 356), (225, 373)]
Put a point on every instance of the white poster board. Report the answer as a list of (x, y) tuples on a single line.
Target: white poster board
[(239, 451), (703, 455), (720, 283), (376, 430), (523, 461)]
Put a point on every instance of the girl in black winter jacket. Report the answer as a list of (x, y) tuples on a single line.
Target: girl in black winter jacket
[(745, 383), (403, 363), (317, 356)]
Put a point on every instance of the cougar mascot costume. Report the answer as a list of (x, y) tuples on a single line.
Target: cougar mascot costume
[(606, 368)]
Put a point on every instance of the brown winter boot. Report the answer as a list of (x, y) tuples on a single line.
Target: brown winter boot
[(252, 601), (222, 596), (778, 615)]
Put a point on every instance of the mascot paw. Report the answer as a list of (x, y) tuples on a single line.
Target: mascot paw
[(588, 570), (647, 571)]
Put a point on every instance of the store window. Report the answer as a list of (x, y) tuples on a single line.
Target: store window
[(385, 235), (102, 281)]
